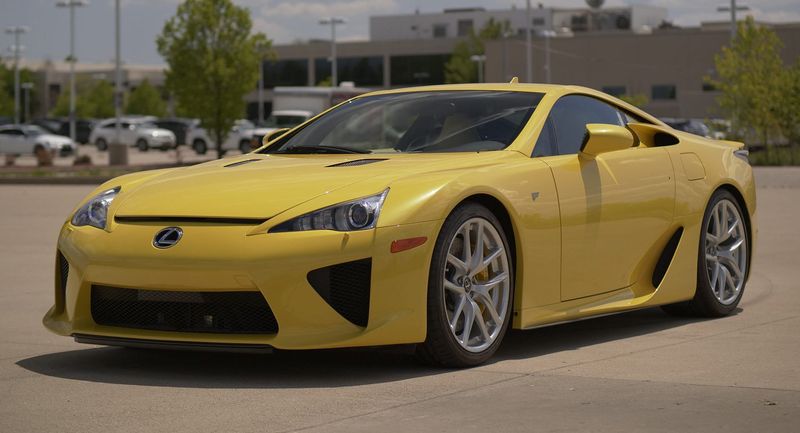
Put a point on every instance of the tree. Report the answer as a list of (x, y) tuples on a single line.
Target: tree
[(750, 74), (213, 62), (146, 99), (460, 68), (789, 107), (7, 91), (95, 100), (6, 100)]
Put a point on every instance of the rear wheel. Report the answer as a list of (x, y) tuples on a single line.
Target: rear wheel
[(470, 290), (142, 145), (101, 144), (722, 264), (200, 147)]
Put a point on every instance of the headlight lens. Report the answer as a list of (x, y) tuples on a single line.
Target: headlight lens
[(361, 214), (95, 212)]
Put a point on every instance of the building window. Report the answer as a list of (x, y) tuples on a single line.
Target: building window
[(423, 69), (538, 22), (615, 91), (440, 30), (363, 71), (465, 27), (288, 72), (663, 92), (709, 86)]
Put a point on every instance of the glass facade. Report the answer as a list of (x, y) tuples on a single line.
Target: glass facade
[(421, 69), (288, 72), (663, 92), (363, 71)]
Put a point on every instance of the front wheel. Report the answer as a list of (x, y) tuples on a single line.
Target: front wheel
[(722, 264), (101, 144), (470, 290), (142, 145), (245, 147), (200, 147)]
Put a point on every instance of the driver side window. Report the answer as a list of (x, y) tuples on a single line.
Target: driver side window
[(565, 128)]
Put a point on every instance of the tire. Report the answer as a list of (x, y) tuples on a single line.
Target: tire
[(142, 145), (730, 265), (101, 144), (244, 147), (442, 347), (200, 147)]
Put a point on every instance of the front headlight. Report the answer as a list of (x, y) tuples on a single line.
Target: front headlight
[(361, 214), (95, 212)]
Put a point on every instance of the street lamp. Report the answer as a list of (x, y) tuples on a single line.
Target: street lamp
[(733, 9), (71, 4), (17, 49), (27, 88), (547, 35), (333, 21), (528, 54), (479, 59), (118, 152)]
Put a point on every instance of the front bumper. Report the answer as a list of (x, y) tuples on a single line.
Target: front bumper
[(220, 258)]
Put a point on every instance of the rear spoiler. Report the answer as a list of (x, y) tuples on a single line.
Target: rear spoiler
[(736, 145)]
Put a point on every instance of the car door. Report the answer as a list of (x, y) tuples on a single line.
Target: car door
[(14, 142), (613, 207)]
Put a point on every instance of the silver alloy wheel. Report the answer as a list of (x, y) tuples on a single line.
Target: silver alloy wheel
[(726, 251), (476, 285)]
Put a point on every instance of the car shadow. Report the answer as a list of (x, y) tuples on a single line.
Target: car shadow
[(321, 368)]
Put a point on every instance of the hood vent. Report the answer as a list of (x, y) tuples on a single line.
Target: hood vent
[(357, 162), (237, 163)]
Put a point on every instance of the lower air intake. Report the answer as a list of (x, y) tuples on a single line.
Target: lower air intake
[(346, 288), (63, 275), (217, 312)]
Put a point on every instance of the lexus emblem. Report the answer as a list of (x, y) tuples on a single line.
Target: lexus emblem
[(168, 237)]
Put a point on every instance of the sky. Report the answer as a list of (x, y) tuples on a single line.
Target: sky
[(284, 21)]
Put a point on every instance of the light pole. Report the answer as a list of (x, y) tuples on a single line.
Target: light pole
[(528, 58), (479, 59), (333, 21), (17, 49), (117, 151), (27, 88), (71, 4), (733, 9), (547, 35)]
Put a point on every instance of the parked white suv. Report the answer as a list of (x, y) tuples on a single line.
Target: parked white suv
[(31, 139), (137, 132), (238, 138)]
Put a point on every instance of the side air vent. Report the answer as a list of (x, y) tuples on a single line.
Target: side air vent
[(357, 162), (63, 275), (345, 287), (666, 257), (663, 139), (238, 163)]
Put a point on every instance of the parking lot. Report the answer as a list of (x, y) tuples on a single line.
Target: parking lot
[(632, 372), (135, 156)]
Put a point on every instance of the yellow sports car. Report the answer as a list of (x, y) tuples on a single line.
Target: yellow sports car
[(437, 216)]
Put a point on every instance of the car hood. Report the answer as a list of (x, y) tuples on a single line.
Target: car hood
[(54, 140), (262, 186)]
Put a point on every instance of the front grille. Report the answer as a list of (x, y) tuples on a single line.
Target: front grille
[(218, 312), (346, 288)]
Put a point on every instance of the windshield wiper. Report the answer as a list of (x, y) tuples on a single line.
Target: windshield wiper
[(322, 149)]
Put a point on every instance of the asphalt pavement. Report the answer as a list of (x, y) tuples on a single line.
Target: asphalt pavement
[(640, 371)]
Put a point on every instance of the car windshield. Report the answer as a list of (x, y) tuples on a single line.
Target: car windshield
[(34, 130), (446, 121), (146, 125)]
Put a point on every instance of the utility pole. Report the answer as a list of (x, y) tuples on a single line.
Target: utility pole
[(118, 151), (17, 50), (71, 4), (547, 34), (528, 54), (479, 59), (27, 88), (333, 21), (733, 9)]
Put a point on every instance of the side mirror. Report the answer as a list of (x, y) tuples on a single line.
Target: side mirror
[(602, 138), (274, 135)]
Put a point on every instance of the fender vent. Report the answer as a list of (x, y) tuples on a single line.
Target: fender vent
[(238, 163), (666, 257), (345, 287), (63, 275), (357, 162)]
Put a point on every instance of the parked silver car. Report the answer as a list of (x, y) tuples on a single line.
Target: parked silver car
[(139, 132), (30, 139)]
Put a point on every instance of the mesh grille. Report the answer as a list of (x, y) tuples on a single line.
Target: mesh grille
[(219, 312), (357, 162), (346, 287)]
